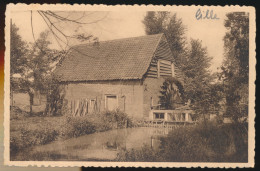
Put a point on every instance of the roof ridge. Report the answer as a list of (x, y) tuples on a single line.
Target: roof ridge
[(119, 39)]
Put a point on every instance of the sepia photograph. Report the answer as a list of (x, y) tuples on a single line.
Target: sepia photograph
[(128, 85)]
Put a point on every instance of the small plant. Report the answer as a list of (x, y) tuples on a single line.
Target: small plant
[(145, 154)]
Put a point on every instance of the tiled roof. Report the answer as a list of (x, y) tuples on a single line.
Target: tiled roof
[(120, 59)]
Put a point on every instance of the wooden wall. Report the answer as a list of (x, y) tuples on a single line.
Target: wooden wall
[(162, 61)]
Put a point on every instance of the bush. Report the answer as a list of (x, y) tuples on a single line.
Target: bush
[(77, 126), (31, 131), (27, 138), (145, 154), (116, 119), (96, 122), (206, 143), (198, 143)]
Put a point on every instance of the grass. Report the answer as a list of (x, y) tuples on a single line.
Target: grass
[(30, 131)]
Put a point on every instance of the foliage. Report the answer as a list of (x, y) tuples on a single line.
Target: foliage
[(55, 98), (145, 154), (172, 27), (77, 126), (214, 143), (171, 90), (27, 138), (193, 60), (27, 131), (96, 122), (237, 43), (33, 63), (18, 51), (197, 75), (120, 118), (235, 67)]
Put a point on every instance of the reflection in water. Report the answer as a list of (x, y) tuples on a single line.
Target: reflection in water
[(103, 145)]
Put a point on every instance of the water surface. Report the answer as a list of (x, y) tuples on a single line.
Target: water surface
[(102, 145)]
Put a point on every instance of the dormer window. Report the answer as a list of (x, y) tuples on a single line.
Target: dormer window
[(165, 68)]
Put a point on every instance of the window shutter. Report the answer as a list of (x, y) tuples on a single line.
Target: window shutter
[(164, 68)]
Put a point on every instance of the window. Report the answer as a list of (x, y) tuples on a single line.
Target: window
[(159, 115), (92, 105), (183, 117), (111, 102)]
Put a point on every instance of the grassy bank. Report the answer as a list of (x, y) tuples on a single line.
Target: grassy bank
[(200, 143), (27, 131)]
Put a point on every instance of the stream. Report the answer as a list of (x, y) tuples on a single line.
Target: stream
[(101, 146)]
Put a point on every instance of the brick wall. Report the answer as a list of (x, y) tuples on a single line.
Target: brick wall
[(129, 94)]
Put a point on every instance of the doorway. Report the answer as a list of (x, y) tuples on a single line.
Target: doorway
[(111, 102)]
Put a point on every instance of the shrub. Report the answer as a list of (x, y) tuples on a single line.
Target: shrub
[(48, 129), (198, 143), (185, 144), (95, 122), (77, 126), (27, 138), (206, 143), (145, 154), (116, 119)]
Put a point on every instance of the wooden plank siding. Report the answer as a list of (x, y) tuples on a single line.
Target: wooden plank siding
[(167, 65), (81, 107), (164, 67), (162, 61), (163, 51)]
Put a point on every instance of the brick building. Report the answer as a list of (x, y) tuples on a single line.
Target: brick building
[(125, 74)]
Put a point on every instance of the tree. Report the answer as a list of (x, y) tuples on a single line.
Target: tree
[(56, 21), (33, 64), (198, 78), (40, 63), (18, 52), (197, 74), (235, 68), (174, 30), (193, 61)]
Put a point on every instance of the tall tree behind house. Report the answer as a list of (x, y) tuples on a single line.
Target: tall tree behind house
[(172, 27), (193, 61)]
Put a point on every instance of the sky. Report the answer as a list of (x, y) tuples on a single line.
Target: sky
[(109, 25)]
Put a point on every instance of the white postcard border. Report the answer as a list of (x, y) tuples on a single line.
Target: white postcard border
[(77, 7)]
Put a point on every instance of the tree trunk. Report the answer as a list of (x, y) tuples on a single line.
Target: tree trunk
[(31, 102)]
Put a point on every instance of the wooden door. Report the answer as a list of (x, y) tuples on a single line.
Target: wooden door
[(111, 102)]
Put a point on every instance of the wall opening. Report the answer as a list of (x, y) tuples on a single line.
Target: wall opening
[(111, 102)]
